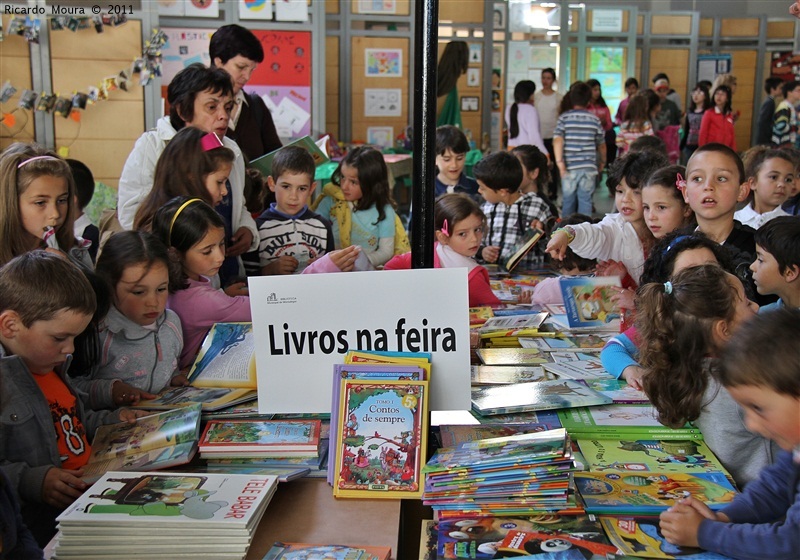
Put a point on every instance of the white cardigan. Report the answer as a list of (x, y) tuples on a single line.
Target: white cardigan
[(137, 178), (611, 239)]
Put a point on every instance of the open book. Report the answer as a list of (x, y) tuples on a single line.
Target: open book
[(264, 163), (532, 237), (226, 358), (154, 442)]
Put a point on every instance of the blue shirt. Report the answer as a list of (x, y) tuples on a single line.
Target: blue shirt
[(582, 133)]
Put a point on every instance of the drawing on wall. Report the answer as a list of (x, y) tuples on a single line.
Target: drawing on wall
[(381, 102), (171, 8), (291, 10), (383, 63), (475, 51), (381, 136), (606, 59), (255, 9), (202, 8), (499, 16), (377, 6), (470, 104), (473, 77)]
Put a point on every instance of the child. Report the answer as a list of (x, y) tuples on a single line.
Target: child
[(683, 325), (716, 125), (360, 207), (141, 340), (535, 172), (672, 253), (459, 225), (598, 107), (622, 236), (451, 152), (701, 102), (776, 269), (195, 234), (772, 89), (45, 302), (509, 212), (784, 121), (522, 118), (579, 145), (759, 370), (770, 174), (662, 202), (631, 89), (84, 191), (38, 194), (636, 124), (290, 234)]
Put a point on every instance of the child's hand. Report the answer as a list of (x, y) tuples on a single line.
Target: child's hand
[(285, 264), (130, 415), (240, 242), (180, 380), (703, 509), (610, 268), (237, 289), (680, 523), (61, 487), (537, 224), (345, 259), (623, 297), (633, 375), (490, 254), (557, 246), (123, 394)]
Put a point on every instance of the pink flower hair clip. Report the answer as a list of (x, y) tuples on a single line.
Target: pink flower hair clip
[(680, 182), (445, 228)]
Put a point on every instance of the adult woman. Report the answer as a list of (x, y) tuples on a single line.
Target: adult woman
[(522, 118), (452, 65), (599, 108), (547, 100)]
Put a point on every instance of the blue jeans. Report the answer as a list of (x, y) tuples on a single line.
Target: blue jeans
[(577, 190)]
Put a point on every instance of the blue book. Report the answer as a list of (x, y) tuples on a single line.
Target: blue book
[(587, 300)]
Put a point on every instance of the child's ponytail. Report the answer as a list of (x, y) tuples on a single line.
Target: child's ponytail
[(675, 321)]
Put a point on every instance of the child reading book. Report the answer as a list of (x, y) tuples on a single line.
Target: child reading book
[(759, 370)]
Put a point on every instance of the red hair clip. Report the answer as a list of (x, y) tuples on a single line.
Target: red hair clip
[(211, 142), (680, 182)]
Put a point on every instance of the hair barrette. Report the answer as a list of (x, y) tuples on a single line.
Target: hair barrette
[(680, 182), (668, 287), (675, 242), (445, 228), (35, 158), (211, 142)]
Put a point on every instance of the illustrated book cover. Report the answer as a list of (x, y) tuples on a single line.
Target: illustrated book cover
[(548, 417), (539, 395), (504, 375), (646, 455), (452, 435), (616, 419), (619, 391), (512, 356), (303, 551), (576, 343), (211, 398), (587, 300), (642, 537), (495, 325), (261, 438), (383, 427), (264, 163), (556, 545), (226, 358), (154, 442), (579, 369)]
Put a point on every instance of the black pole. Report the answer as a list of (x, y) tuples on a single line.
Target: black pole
[(426, 32)]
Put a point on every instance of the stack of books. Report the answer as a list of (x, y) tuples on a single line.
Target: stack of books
[(521, 474), (298, 551), (182, 515)]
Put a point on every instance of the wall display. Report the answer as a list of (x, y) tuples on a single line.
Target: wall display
[(201, 8), (377, 6), (499, 16), (475, 53), (383, 63), (473, 77), (382, 136), (171, 8), (606, 59), (609, 21), (709, 66), (381, 102), (255, 9), (785, 65), (291, 10), (470, 104)]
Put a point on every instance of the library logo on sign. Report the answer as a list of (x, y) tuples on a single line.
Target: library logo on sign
[(273, 299)]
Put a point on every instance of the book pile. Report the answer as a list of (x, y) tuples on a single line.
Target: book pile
[(505, 331), (379, 425), (182, 515), (298, 551), (521, 474)]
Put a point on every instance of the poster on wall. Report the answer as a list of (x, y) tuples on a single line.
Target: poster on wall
[(377, 6), (709, 66), (379, 102), (202, 8), (381, 136), (255, 9), (609, 21), (606, 59), (383, 63), (184, 46), (291, 10), (785, 65), (171, 8)]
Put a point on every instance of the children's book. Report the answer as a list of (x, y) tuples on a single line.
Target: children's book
[(503, 375), (505, 324), (649, 455), (479, 315), (529, 241), (579, 369), (616, 493), (452, 435), (211, 398), (428, 539), (511, 356), (261, 438), (540, 395), (616, 419), (284, 474), (421, 359), (557, 546), (382, 434), (577, 343), (302, 551), (172, 501), (549, 418), (561, 357), (587, 300), (619, 391), (154, 442), (264, 163), (642, 537), (226, 358)]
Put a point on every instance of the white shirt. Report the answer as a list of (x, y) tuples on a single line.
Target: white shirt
[(547, 105)]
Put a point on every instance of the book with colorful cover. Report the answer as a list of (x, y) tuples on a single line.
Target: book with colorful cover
[(531, 321), (626, 493), (304, 551), (479, 315), (261, 438), (504, 375), (511, 356), (226, 358), (549, 418), (452, 435), (211, 398), (157, 441), (645, 455), (561, 357), (539, 395), (383, 427), (587, 300), (576, 343), (619, 391), (284, 474), (618, 418), (579, 369), (556, 545), (641, 537), (421, 359), (264, 163), (528, 242)]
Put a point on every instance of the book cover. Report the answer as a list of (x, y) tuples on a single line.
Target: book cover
[(556, 545), (284, 474), (549, 418), (528, 242), (587, 300), (617, 418), (304, 551), (504, 375), (452, 435), (173, 500), (618, 391), (561, 357), (264, 163), (511, 356), (210, 398), (540, 395), (382, 439), (578, 369), (154, 442), (428, 539), (577, 343), (285, 438), (479, 315), (650, 494), (641, 537), (226, 358), (649, 455), (512, 323)]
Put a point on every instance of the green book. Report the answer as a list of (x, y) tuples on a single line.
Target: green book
[(264, 163), (616, 420)]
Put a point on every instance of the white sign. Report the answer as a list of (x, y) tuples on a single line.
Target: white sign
[(304, 324), (609, 21)]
